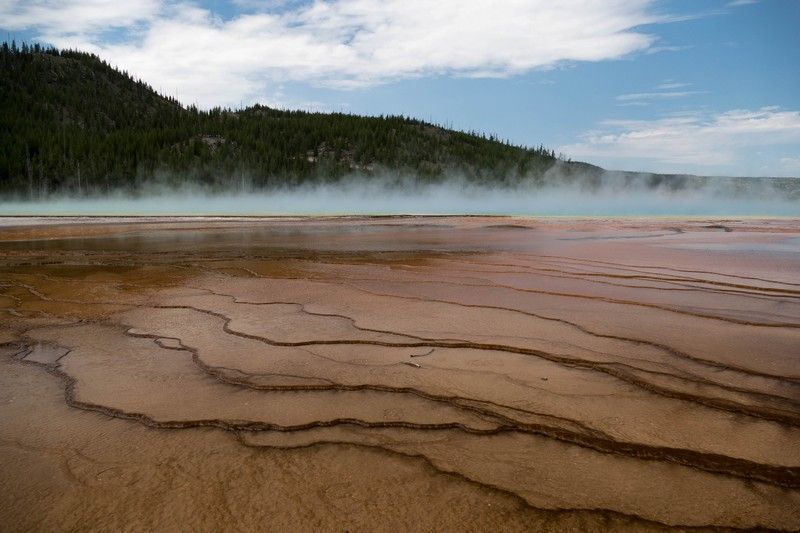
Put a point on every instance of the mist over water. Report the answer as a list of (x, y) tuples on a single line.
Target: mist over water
[(359, 197)]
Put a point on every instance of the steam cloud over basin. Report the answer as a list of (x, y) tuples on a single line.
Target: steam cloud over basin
[(449, 197), (424, 373)]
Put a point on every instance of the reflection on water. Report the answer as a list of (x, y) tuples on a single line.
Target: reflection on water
[(273, 239), (782, 246)]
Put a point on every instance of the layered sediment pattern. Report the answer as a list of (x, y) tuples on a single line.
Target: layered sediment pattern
[(481, 372)]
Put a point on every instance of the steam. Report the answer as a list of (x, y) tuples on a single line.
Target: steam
[(613, 195)]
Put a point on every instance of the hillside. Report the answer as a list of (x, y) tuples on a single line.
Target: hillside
[(71, 123)]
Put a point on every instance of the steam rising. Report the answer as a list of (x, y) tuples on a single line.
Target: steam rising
[(363, 196)]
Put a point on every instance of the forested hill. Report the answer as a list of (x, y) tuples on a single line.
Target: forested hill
[(70, 123)]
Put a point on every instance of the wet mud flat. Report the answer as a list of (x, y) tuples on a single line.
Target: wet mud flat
[(413, 373)]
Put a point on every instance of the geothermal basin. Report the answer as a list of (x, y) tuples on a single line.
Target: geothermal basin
[(412, 373)]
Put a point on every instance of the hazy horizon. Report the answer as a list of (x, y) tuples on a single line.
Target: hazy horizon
[(440, 199)]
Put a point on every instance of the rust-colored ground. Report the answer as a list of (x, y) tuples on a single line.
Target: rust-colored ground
[(403, 373)]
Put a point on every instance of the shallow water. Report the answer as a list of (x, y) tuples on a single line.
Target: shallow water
[(414, 373), (375, 198)]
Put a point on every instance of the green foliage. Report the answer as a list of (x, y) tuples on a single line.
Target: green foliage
[(71, 123)]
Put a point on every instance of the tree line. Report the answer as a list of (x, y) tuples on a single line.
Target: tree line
[(70, 123)]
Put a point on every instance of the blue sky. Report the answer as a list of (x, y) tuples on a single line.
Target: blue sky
[(708, 87)]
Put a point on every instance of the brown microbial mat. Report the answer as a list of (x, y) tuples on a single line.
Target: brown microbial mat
[(399, 373)]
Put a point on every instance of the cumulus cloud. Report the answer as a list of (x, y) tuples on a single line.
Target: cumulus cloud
[(75, 16), (190, 52), (692, 140)]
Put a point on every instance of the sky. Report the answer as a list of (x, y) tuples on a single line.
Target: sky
[(689, 86)]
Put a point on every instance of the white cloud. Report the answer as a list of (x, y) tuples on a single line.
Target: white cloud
[(189, 52), (663, 91), (75, 16), (691, 142), (669, 84), (668, 48), (660, 95)]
